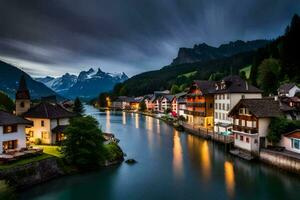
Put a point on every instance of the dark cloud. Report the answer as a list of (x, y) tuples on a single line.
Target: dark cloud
[(128, 35)]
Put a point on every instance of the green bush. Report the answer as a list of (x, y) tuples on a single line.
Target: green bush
[(112, 152), (37, 141)]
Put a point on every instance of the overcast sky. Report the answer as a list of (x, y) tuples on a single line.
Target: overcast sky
[(52, 37)]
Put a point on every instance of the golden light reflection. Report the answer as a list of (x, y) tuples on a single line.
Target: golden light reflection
[(149, 123), (124, 118), (108, 121), (205, 160), (229, 178), (137, 125), (157, 126), (177, 155)]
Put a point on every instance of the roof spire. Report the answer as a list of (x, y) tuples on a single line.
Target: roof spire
[(22, 92)]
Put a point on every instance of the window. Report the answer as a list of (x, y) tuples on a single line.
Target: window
[(31, 134), (241, 138), (247, 139), (223, 106), (243, 122), (22, 104), (236, 121), (227, 96), (241, 111), (254, 124), (10, 129), (223, 116), (255, 141), (296, 144), (45, 135), (216, 114), (236, 136), (42, 123), (227, 106), (216, 106)]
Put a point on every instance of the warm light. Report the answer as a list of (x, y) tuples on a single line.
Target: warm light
[(124, 118), (108, 121), (177, 155), (157, 126), (108, 101), (149, 123), (205, 159), (136, 120), (229, 178)]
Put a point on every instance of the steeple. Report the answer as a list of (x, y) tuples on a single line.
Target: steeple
[(22, 92), (22, 97)]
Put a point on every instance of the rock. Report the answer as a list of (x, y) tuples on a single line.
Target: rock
[(131, 161)]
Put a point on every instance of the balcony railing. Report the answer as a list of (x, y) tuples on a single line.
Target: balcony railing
[(196, 104), (195, 113), (245, 129)]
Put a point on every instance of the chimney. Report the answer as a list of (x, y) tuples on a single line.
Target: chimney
[(247, 87)]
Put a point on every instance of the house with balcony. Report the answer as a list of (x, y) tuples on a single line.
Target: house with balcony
[(228, 92), (167, 103), (251, 119), (180, 104), (199, 104), (12, 132)]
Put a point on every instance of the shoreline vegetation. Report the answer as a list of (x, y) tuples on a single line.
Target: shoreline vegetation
[(67, 159)]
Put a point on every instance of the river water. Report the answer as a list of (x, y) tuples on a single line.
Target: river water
[(171, 165)]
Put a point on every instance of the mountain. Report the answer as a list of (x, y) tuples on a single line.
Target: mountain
[(204, 52), (87, 84), (9, 80)]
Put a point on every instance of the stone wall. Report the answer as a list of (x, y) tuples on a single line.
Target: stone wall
[(32, 173), (280, 160)]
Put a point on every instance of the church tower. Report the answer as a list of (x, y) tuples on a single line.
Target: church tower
[(22, 97)]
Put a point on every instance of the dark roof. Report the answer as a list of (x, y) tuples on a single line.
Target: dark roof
[(181, 94), (59, 129), (48, 111), (7, 118), (293, 134), (265, 107), (235, 84), (169, 97), (285, 88), (206, 87), (22, 92)]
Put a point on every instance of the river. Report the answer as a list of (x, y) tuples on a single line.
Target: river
[(171, 165)]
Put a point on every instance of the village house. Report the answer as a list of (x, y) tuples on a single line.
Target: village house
[(288, 90), (181, 104), (148, 99), (166, 103), (251, 119), (227, 94), (120, 103), (291, 141), (12, 132), (199, 104), (49, 119)]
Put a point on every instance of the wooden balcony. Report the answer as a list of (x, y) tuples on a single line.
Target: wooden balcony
[(195, 113), (244, 129), (196, 104)]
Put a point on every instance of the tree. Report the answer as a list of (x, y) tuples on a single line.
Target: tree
[(142, 106), (279, 126), (6, 103), (175, 89), (268, 75), (78, 107), (83, 145)]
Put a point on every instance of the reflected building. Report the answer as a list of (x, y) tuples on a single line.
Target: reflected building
[(124, 118), (205, 160), (137, 118)]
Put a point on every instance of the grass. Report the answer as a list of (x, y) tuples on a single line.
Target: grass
[(188, 75), (25, 161), (247, 70), (51, 150)]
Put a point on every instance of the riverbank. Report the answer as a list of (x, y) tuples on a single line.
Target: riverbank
[(283, 161), (50, 165)]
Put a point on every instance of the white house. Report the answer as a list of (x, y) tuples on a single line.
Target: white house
[(291, 141), (251, 119), (288, 90), (49, 119), (227, 94), (181, 104), (12, 132)]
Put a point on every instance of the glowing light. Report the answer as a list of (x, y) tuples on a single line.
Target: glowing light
[(108, 121), (205, 160), (157, 126), (108, 102), (177, 155), (124, 118), (137, 120), (229, 178)]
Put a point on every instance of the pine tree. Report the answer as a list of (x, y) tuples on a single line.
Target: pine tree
[(78, 107)]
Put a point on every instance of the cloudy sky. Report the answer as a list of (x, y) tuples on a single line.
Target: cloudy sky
[(51, 37)]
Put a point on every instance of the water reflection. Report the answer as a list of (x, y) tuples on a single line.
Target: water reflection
[(149, 123), (205, 160), (157, 126), (108, 121), (177, 155), (229, 178), (137, 120), (124, 118)]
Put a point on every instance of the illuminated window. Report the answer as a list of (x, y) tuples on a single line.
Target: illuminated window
[(10, 129), (45, 135)]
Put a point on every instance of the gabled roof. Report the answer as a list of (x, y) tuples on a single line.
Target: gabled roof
[(235, 84), (7, 118), (169, 97), (181, 94), (285, 88), (206, 87), (48, 111), (293, 134), (265, 107)]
